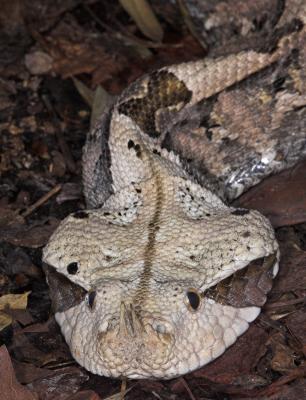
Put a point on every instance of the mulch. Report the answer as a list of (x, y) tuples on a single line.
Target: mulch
[(44, 120)]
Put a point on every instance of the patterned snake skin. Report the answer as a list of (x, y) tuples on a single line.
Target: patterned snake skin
[(160, 275)]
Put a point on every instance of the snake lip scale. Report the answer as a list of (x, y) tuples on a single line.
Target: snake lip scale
[(160, 275)]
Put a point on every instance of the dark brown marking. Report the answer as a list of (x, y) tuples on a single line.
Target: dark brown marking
[(155, 151), (209, 134), (278, 84), (99, 171), (246, 287), (80, 215), (63, 293), (130, 144), (138, 150), (150, 249), (164, 90), (72, 268), (240, 211), (91, 299)]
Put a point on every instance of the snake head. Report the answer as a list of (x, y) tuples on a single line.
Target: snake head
[(142, 299)]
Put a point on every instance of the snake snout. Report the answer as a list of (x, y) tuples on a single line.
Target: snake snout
[(136, 343)]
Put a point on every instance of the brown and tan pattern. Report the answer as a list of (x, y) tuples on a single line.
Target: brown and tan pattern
[(161, 274), (164, 90), (247, 286)]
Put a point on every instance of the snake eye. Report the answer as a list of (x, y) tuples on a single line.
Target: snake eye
[(193, 299), (91, 299), (72, 268)]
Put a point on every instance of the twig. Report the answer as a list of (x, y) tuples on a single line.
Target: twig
[(279, 304), (41, 201), (190, 25), (187, 388), (123, 388)]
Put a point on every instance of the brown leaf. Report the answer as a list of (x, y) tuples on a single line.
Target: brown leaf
[(85, 395), (27, 236), (27, 373), (74, 51), (283, 357), (10, 388), (282, 197), (296, 390), (19, 262), (61, 384), (296, 323), (291, 276)]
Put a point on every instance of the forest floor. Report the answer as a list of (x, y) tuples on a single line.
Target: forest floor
[(50, 53)]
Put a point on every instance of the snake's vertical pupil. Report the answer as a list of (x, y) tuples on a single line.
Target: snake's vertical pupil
[(194, 299), (91, 299)]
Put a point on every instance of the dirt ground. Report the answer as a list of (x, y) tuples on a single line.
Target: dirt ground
[(55, 57)]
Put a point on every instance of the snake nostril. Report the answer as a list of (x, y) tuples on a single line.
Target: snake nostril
[(160, 328)]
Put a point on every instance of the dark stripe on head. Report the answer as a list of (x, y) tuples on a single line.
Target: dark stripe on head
[(246, 287), (97, 177), (64, 294), (150, 248), (240, 211)]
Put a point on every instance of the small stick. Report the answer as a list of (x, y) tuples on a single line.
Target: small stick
[(187, 388), (41, 201), (279, 304), (123, 388)]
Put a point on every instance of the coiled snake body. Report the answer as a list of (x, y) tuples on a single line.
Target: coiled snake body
[(159, 275)]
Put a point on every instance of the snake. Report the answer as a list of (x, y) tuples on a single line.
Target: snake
[(160, 273)]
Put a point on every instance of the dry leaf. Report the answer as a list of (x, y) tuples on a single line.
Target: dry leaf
[(101, 100), (98, 100), (14, 302), (87, 94), (10, 388), (5, 320), (144, 17)]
